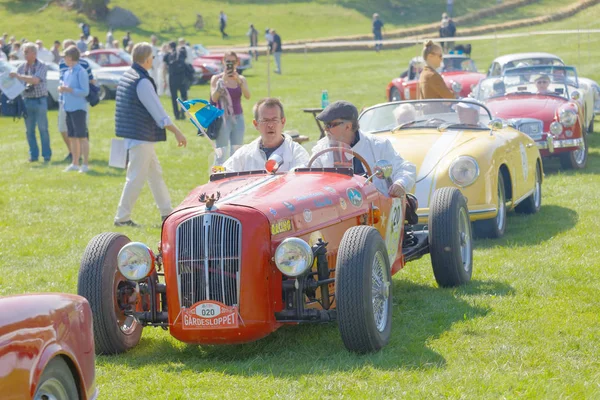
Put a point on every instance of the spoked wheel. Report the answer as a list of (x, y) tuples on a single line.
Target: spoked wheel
[(450, 238), (103, 94), (494, 227), (533, 203), (395, 94), (109, 295), (363, 290), (576, 159), (56, 382)]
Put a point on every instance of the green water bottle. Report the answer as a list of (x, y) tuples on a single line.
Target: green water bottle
[(324, 99)]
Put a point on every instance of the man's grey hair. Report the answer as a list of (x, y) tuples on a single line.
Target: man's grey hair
[(29, 47), (68, 42)]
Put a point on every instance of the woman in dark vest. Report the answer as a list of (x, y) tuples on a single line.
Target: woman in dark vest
[(141, 120)]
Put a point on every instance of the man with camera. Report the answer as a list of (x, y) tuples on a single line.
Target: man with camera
[(33, 74)]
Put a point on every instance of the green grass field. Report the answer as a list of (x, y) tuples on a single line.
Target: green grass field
[(526, 327)]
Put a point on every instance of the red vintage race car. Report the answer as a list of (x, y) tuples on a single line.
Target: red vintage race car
[(110, 57), (543, 102), (46, 347), (252, 251), (459, 73)]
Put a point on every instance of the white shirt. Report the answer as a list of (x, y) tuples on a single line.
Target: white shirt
[(251, 158), (373, 148), (45, 55), (3, 56), (189, 58)]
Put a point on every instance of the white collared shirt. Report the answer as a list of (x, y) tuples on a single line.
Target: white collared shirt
[(250, 157)]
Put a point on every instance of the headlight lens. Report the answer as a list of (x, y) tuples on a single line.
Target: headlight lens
[(135, 261), (556, 128), (567, 118), (293, 257), (464, 171), (456, 87)]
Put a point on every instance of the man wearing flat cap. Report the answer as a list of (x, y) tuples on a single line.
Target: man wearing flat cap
[(341, 123)]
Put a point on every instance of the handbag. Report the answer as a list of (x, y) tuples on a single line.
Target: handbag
[(213, 129), (94, 95)]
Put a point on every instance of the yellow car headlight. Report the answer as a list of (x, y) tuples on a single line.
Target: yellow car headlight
[(135, 261), (463, 171), (293, 257)]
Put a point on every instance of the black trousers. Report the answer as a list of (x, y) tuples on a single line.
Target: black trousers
[(177, 85)]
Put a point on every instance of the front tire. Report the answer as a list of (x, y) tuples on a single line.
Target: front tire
[(450, 238), (494, 228), (395, 94), (57, 382), (575, 159), (104, 93), (533, 203), (99, 282), (363, 290)]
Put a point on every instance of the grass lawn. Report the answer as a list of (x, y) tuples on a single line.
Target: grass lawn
[(526, 327), (293, 19)]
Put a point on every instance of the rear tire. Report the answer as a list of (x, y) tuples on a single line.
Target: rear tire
[(99, 280), (450, 238), (363, 290), (533, 203), (494, 228), (104, 93), (575, 159), (57, 382)]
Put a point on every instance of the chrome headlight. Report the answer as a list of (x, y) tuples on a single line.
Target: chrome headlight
[(463, 171), (556, 128), (456, 87), (567, 118), (293, 257), (135, 261)]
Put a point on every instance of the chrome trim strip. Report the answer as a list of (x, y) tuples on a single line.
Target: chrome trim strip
[(474, 212), (561, 144)]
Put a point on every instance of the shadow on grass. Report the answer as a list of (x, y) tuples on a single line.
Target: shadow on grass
[(527, 230), (421, 313)]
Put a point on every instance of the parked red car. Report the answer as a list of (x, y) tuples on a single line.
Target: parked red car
[(206, 56), (110, 57), (543, 102), (46, 347), (459, 73), (250, 252)]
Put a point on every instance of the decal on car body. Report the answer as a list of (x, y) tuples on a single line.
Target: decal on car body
[(209, 314), (281, 226), (354, 196), (392, 232), (307, 214)]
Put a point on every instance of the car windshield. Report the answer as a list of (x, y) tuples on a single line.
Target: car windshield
[(430, 114), (200, 50), (532, 62), (541, 80), (451, 64), (126, 57)]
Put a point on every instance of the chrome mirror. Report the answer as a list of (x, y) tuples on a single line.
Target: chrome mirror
[(383, 169), (495, 124)]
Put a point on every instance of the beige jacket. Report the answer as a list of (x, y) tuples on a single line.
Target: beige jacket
[(432, 86)]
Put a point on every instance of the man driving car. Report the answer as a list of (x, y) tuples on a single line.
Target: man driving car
[(269, 120), (341, 123)]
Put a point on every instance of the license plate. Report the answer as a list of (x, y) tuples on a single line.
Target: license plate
[(209, 314)]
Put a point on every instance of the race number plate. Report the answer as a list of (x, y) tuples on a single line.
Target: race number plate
[(209, 314)]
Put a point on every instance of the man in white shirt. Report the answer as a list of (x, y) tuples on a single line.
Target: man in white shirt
[(44, 54), (156, 61), (269, 120), (341, 123)]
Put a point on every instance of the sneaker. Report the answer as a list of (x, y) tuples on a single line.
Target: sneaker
[(71, 167), (127, 223), (84, 168)]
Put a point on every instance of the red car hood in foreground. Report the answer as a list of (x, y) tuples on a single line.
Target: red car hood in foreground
[(526, 106)]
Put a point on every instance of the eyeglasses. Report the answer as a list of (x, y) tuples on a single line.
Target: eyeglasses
[(330, 125), (269, 121)]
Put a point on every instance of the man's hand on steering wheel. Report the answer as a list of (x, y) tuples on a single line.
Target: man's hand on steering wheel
[(396, 190)]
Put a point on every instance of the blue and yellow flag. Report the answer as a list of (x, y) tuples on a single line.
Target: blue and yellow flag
[(200, 112)]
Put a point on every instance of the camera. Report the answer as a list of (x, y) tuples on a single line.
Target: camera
[(28, 88), (229, 67)]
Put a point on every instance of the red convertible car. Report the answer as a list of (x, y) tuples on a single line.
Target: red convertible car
[(110, 57), (252, 251), (459, 73), (46, 347), (543, 102)]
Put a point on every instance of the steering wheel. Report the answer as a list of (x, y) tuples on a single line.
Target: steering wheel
[(344, 150)]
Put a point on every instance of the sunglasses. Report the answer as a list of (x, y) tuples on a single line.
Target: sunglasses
[(542, 82), (329, 125)]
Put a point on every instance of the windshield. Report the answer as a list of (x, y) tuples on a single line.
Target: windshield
[(200, 50), (541, 80), (458, 64), (126, 57), (431, 114), (532, 62)]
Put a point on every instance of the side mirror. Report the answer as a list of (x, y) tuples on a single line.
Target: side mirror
[(575, 95), (495, 124), (383, 169), (273, 163), (456, 87)]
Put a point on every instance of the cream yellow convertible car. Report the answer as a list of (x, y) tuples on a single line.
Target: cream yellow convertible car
[(456, 143)]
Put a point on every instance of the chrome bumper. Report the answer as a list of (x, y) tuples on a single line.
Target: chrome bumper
[(550, 143)]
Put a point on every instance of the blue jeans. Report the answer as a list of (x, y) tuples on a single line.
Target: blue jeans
[(37, 113), (277, 56)]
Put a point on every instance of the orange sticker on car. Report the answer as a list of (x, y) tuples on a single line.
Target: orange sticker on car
[(209, 314)]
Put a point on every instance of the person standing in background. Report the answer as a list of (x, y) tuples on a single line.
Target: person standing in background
[(253, 36), (223, 24), (82, 44), (431, 84), (450, 32), (154, 72), (95, 43), (109, 38), (141, 119), (443, 30), (175, 61), (74, 87), (377, 25), (56, 52), (43, 53), (276, 50), (85, 30), (33, 73), (126, 40), (450, 7), (163, 78)]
